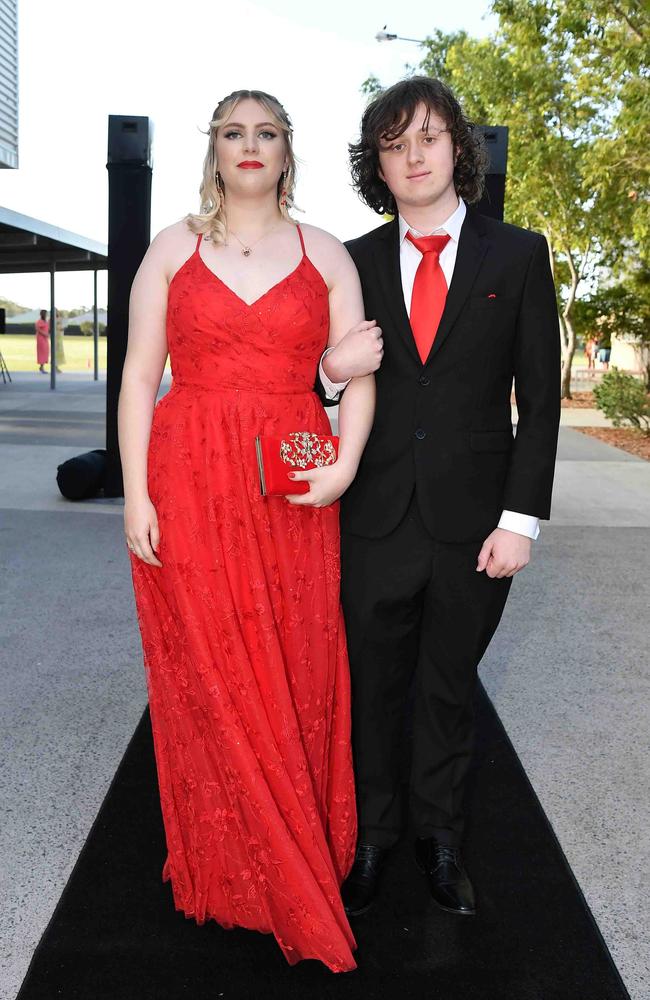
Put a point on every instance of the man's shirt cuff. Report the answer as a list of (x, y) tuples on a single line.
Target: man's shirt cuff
[(522, 524), (332, 389)]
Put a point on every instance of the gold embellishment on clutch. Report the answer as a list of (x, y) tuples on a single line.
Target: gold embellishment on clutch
[(303, 450)]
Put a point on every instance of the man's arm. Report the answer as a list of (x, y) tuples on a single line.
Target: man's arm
[(529, 482), (332, 389), (521, 524), (527, 495)]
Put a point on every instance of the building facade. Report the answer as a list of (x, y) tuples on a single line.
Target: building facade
[(9, 83)]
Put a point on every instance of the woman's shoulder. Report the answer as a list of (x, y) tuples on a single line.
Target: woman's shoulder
[(174, 236), (326, 252), (171, 247), (320, 238)]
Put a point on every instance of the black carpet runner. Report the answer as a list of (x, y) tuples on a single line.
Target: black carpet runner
[(116, 936)]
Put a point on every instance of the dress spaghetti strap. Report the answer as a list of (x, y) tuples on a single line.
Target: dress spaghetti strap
[(302, 242), (198, 242)]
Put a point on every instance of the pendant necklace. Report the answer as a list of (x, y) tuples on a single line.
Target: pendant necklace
[(246, 249)]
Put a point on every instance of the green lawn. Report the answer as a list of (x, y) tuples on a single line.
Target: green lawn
[(20, 353)]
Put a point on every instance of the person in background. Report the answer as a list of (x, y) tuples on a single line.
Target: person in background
[(58, 337), (604, 352), (590, 354), (42, 328)]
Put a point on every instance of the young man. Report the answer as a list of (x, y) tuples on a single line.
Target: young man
[(446, 502)]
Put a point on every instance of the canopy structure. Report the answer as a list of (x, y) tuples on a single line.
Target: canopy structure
[(29, 245)]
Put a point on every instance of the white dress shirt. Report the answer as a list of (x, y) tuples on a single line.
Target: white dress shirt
[(409, 260)]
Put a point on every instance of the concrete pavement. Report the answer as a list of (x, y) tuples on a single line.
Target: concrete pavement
[(568, 669)]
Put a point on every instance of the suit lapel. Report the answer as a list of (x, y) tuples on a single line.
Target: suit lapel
[(390, 280), (472, 247)]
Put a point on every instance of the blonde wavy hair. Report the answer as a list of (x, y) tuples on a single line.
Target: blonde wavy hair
[(212, 218)]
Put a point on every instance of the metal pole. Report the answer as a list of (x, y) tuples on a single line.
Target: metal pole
[(52, 330), (95, 327)]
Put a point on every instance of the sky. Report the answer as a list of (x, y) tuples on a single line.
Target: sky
[(81, 60)]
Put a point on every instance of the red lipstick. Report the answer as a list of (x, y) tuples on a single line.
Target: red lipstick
[(250, 165)]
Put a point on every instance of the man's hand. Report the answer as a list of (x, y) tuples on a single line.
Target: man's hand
[(358, 353), (504, 553)]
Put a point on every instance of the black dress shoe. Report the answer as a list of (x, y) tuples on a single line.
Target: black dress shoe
[(360, 887), (448, 881)]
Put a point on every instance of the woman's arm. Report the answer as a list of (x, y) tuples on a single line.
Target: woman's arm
[(145, 361), (357, 407)]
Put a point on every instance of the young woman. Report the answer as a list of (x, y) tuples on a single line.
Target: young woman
[(238, 594), (42, 329)]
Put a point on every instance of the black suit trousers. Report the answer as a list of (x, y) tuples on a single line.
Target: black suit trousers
[(417, 614)]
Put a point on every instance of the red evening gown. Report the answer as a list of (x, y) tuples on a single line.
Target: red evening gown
[(242, 632)]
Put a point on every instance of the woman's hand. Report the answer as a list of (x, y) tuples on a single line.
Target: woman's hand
[(141, 529), (326, 484), (358, 353)]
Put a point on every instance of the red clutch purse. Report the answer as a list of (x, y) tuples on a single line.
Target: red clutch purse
[(294, 452)]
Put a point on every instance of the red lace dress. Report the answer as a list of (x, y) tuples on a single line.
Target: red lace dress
[(242, 633)]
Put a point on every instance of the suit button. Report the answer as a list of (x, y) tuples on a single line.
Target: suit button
[(424, 380), (420, 434)]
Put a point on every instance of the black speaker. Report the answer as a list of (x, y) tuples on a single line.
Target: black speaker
[(82, 477), (3, 314), (496, 142), (129, 226), (129, 139)]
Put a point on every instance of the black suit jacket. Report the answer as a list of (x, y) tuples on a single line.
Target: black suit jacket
[(444, 427)]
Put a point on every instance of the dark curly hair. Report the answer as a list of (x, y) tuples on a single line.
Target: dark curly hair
[(390, 114)]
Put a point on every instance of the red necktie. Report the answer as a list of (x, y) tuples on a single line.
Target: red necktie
[(429, 291)]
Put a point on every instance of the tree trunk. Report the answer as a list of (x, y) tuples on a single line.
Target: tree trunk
[(568, 350), (567, 358), (568, 331), (565, 376)]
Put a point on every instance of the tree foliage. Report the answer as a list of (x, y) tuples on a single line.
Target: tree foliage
[(571, 80), (12, 308), (624, 400), (561, 75)]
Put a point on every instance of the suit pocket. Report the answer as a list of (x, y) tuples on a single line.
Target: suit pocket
[(490, 440)]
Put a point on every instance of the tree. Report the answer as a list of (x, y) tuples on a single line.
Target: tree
[(12, 308), (570, 79)]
